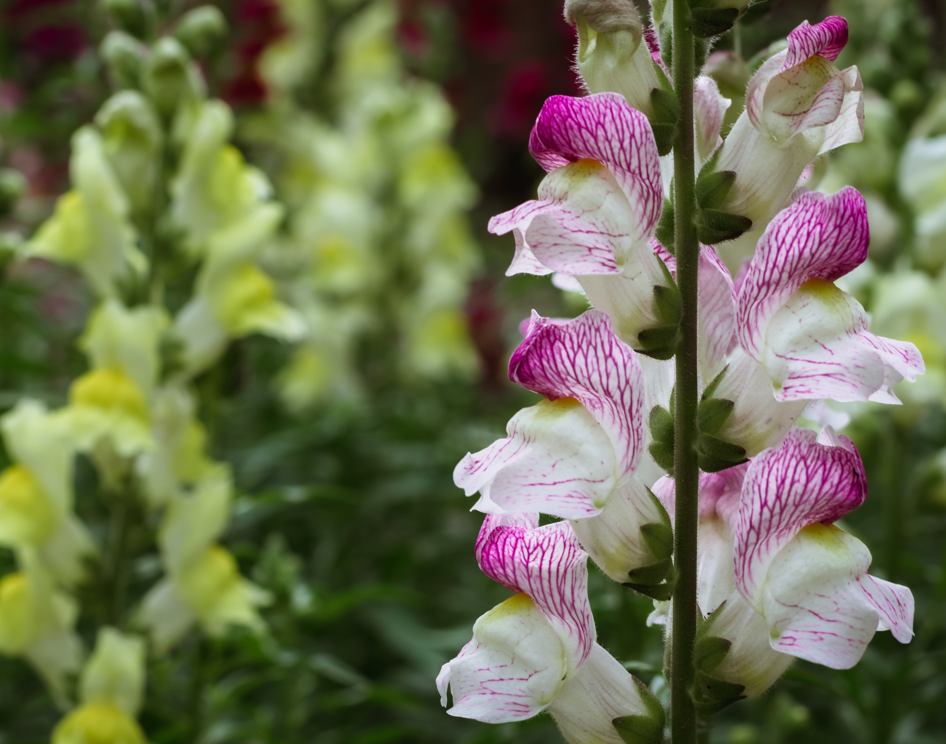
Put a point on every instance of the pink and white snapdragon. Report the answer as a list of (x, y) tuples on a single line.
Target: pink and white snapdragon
[(536, 651), (575, 454), (799, 105)]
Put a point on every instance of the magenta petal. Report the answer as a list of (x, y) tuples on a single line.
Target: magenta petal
[(548, 564), (818, 237), (583, 359), (826, 38), (605, 128), (788, 488)]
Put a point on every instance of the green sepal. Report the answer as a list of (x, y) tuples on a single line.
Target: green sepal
[(664, 120), (639, 729), (715, 226), (709, 652), (710, 390), (659, 343), (701, 50), (714, 454), (666, 227), (652, 574), (659, 535), (644, 729), (708, 708), (661, 424), (713, 187), (709, 22), (665, 36), (663, 456), (660, 592), (712, 689), (668, 304), (713, 413)]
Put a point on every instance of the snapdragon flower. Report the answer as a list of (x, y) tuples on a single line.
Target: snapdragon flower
[(111, 687), (536, 651), (202, 583), (36, 493), (799, 105), (575, 454)]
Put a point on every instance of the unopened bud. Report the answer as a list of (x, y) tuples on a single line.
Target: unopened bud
[(200, 28), (612, 55), (130, 15), (169, 76), (124, 55), (132, 135)]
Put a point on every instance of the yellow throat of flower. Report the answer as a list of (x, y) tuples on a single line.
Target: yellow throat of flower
[(208, 579), (111, 390), (247, 291), (98, 723), (26, 513)]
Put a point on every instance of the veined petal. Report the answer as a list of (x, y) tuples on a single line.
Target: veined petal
[(601, 691), (802, 482), (848, 127), (717, 316), (826, 39), (524, 261), (758, 420), (511, 670), (818, 237), (548, 565), (817, 346), (613, 538), (584, 360), (709, 107), (581, 224), (803, 97), (556, 460), (821, 605), (605, 128)]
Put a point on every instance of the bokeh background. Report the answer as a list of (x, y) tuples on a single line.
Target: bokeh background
[(343, 445)]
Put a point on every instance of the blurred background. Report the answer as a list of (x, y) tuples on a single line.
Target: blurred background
[(390, 132)]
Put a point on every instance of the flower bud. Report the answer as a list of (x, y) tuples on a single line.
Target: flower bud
[(170, 77), (612, 55), (199, 28), (124, 56), (131, 15), (132, 136)]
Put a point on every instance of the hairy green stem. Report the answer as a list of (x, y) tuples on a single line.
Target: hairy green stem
[(683, 721)]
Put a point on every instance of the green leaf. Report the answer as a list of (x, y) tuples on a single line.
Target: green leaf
[(710, 651), (664, 136), (710, 390), (712, 414), (639, 729), (663, 455), (709, 22), (720, 449), (661, 424), (713, 187), (651, 702), (710, 708), (659, 538), (715, 226)]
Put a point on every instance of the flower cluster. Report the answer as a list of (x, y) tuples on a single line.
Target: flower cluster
[(377, 245), (777, 577)]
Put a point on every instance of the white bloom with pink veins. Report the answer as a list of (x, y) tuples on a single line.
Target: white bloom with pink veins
[(804, 575), (575, 454), (536, 651), (597, 207), (799, 105), (810, 336)]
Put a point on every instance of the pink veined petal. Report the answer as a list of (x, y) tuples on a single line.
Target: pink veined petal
[(556, 460), (817, 346), (524, 261), (817, 237), (788, 93), (799, 483), (583, 359), (605, 128), (826, 39), (511, 670), (548, 564), (848, 127), (893, 602), (821, 605), (709, 108), (717, 317)]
